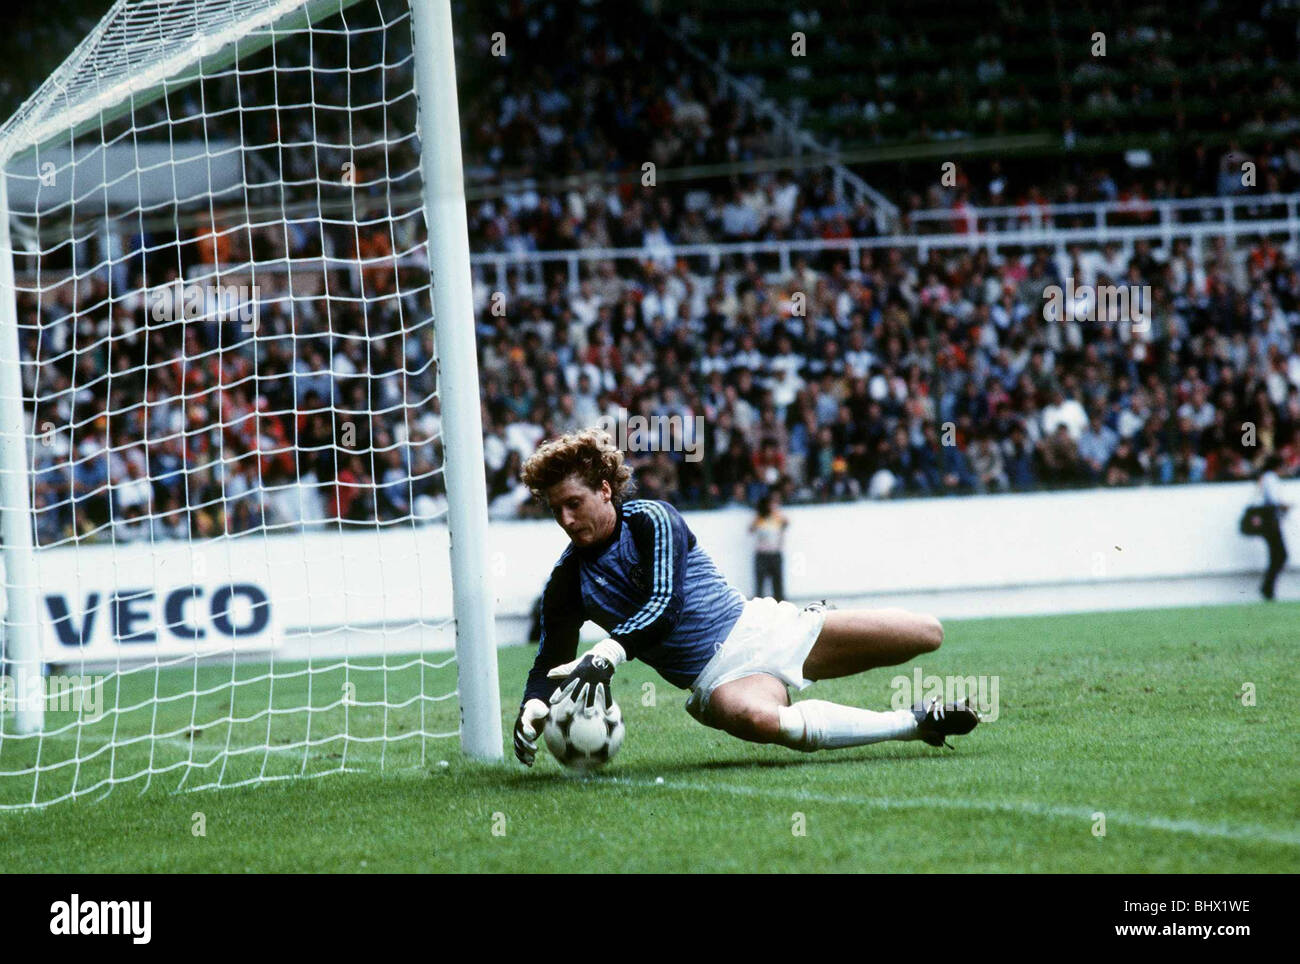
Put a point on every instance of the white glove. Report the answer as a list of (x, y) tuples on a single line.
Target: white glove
[(607, 648), (531, 716), (583, 679)]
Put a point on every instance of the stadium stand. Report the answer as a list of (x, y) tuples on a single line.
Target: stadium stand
[(1196, 94), (915, 370)]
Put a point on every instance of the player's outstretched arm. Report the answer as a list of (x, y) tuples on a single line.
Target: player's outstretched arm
[(562, 617)]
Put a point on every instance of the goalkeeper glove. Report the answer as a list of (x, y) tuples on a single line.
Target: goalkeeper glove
[(582, 678), (527, 726)]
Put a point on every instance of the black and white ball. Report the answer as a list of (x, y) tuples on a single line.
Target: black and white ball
[(584, 738)]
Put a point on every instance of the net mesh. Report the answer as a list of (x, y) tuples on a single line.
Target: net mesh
[(229, 382)]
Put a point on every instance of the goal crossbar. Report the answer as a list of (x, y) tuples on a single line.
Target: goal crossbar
[(76, 98)]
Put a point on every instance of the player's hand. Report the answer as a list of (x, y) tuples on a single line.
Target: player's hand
[(582, 678), (531, 716)]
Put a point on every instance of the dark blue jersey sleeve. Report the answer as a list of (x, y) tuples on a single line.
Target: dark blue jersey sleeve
[(562, 617), (663, 541)]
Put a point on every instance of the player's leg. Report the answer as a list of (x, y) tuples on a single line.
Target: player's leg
[(757, 708), (855, 640), (749, 708)]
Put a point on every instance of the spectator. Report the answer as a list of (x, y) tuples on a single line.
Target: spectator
[(768, 527), (1097, 444), (988, 466), (1124, 468)]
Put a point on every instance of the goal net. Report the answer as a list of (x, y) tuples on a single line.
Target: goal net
[(241, 475)]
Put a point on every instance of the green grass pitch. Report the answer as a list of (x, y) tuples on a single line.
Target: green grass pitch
[(1137, 716)]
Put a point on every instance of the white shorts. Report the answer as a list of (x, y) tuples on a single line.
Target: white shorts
[(769, 637)]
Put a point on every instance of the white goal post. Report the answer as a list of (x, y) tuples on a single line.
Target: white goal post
[(242, 494)]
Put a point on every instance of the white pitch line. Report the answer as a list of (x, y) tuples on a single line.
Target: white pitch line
[(1220, 831)]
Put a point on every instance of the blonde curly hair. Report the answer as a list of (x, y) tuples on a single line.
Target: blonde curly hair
[(590, 454)]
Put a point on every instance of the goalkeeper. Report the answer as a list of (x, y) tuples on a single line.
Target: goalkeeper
[(635, 569)]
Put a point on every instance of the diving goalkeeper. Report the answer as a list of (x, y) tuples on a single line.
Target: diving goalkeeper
[(634, 568)]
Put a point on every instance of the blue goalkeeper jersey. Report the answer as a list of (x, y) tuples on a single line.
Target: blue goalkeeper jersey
[(650, 586)]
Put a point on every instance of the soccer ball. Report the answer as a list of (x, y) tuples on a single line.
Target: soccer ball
[(584, 737)]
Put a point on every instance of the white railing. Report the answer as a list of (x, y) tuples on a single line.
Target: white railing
[(777, 258), (780, 256), (1225, 210)]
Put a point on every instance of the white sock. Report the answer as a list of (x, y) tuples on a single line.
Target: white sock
[(821, 725)]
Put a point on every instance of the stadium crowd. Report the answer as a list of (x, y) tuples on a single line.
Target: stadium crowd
[(888, 377), (904, 378)]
